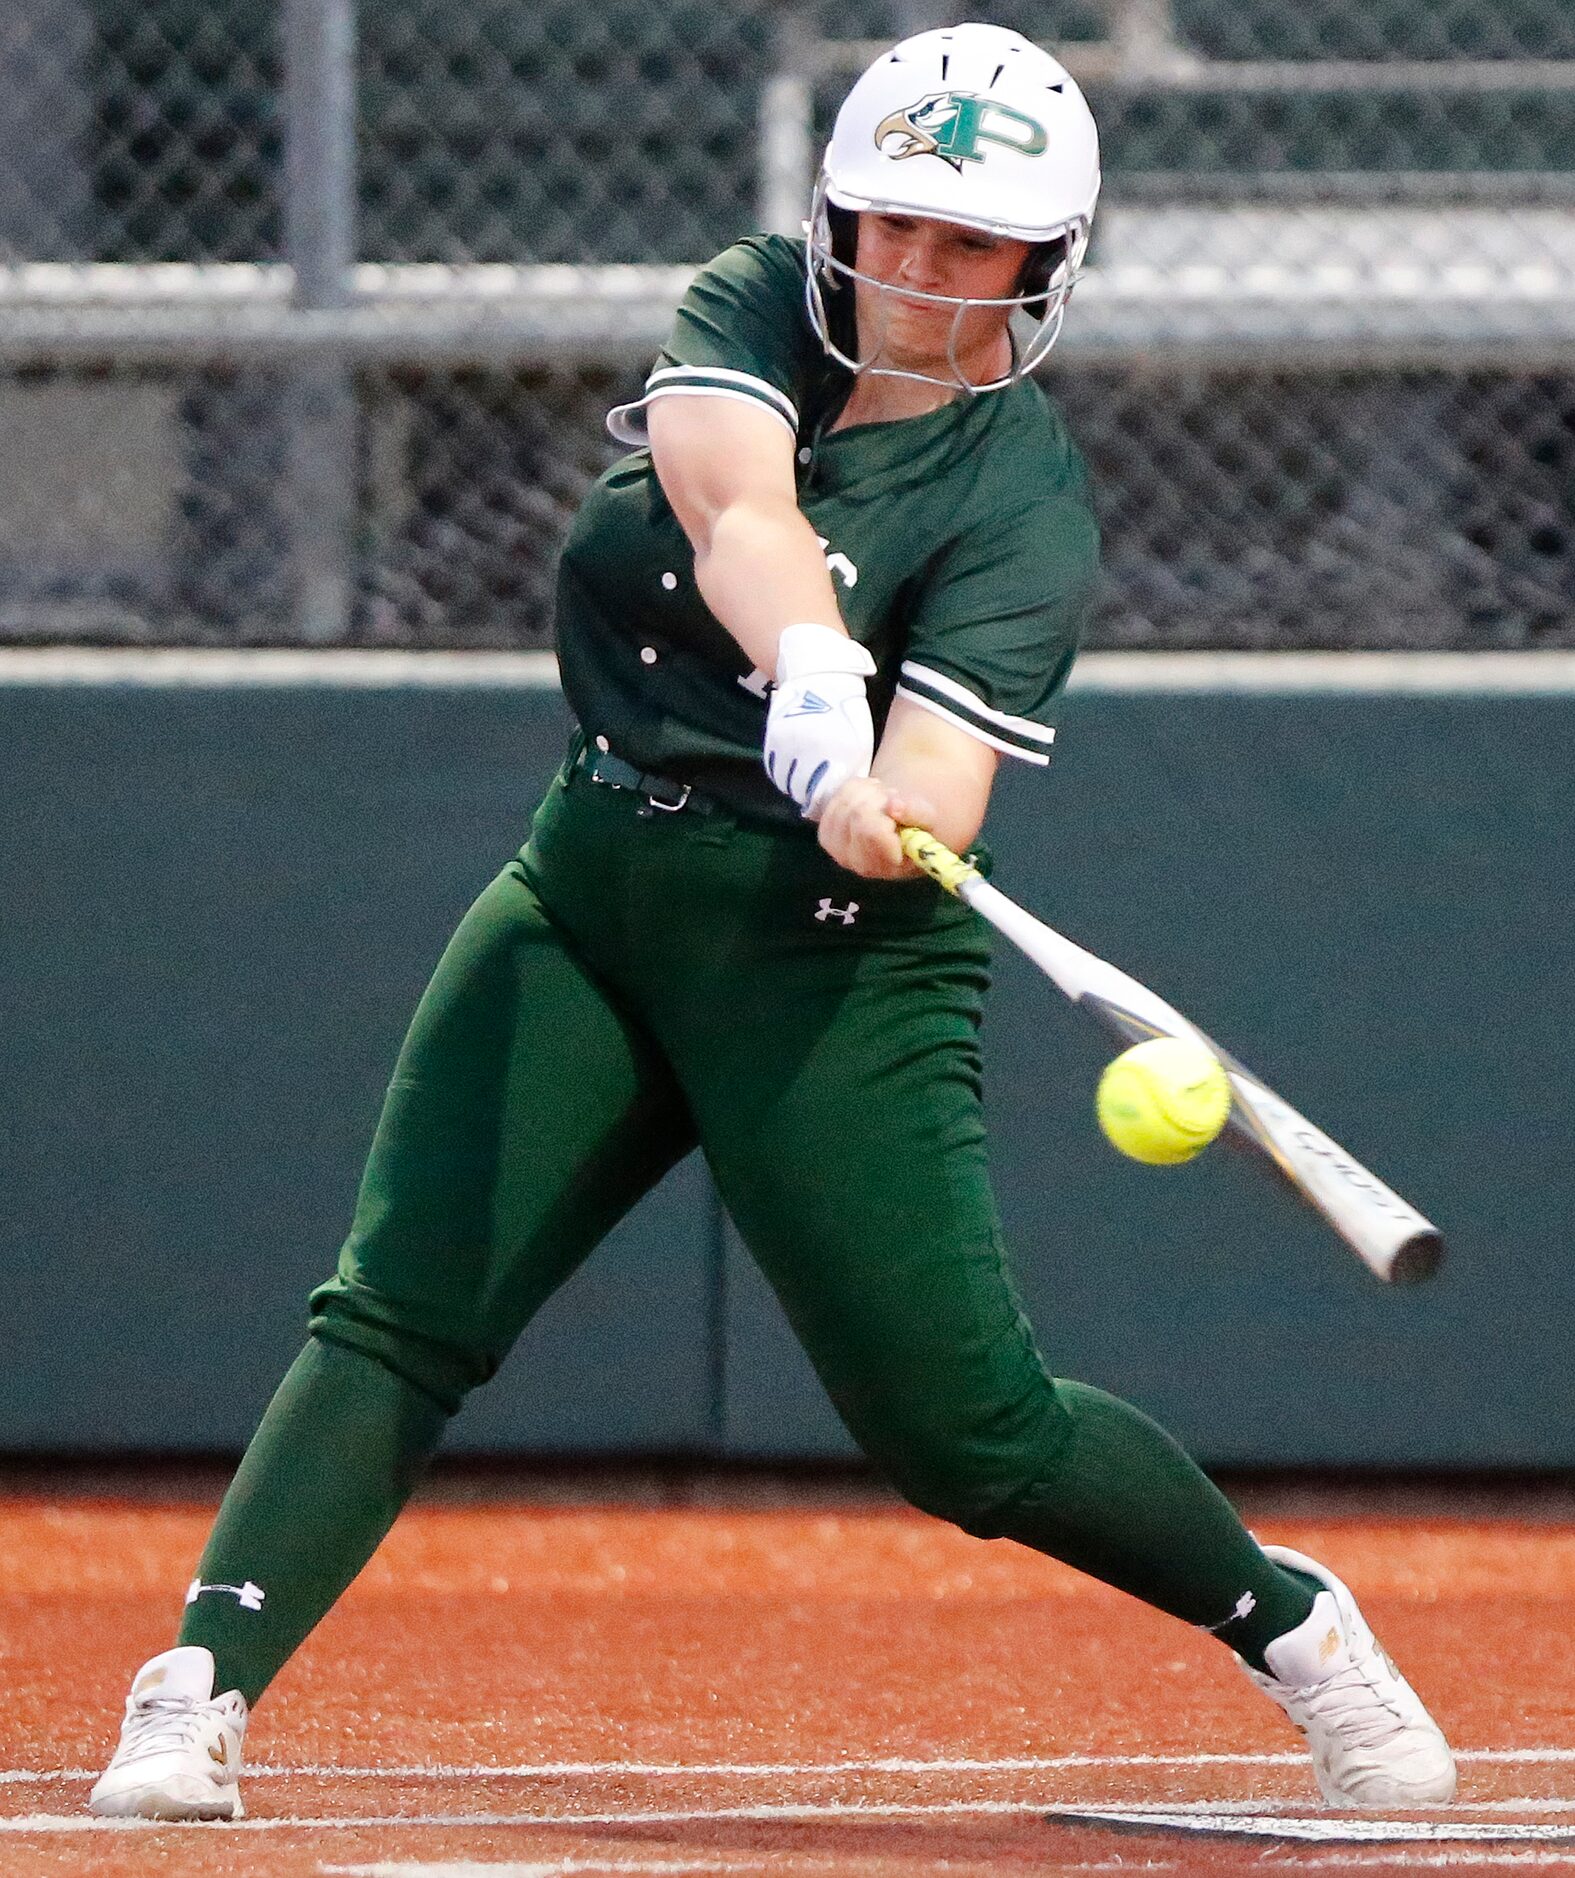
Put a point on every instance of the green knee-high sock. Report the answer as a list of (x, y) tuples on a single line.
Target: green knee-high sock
[(336, 1456), (1127, 1505)]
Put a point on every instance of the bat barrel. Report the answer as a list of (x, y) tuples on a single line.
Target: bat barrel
[(1418, 1258)]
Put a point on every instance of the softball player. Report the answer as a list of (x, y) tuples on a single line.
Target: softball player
[(850, 487)]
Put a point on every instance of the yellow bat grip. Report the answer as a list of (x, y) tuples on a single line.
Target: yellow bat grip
[(936, 859)]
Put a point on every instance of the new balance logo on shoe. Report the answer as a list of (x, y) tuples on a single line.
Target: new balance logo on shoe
[(249, 1596), (847, 914)]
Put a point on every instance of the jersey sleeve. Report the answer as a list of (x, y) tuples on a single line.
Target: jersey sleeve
[(740, 332), (997, 624)]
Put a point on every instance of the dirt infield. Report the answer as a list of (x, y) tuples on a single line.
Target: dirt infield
[(521, 1692)]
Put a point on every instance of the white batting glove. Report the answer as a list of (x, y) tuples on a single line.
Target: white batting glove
[(818, 729)]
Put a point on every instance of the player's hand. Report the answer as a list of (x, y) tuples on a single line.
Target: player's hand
[(818, 729), (859, 828)]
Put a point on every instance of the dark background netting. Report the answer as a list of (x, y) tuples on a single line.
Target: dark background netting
[(1266, 505), (1246, 509)]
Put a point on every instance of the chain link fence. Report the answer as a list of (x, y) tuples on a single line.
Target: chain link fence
[(307, 323)]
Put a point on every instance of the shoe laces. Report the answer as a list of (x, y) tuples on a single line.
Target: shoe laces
[(158, 1726), (1351, 1702)]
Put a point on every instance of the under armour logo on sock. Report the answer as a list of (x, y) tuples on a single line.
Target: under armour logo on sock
[(1246, 1604), (250, 1596), (847, 914)]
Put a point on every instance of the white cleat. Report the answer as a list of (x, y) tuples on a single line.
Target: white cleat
[(1372, 1742), (180, 1745)]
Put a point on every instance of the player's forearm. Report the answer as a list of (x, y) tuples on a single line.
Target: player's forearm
[(759, 568), (926, 772), (943, 771)]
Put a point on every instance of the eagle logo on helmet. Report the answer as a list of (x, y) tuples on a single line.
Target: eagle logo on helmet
[(952, 125)]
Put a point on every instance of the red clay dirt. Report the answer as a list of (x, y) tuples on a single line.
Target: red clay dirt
[(528, 1691)]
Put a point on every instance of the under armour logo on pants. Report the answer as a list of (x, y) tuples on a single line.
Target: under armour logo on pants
[(250, 1596), (846, 914)]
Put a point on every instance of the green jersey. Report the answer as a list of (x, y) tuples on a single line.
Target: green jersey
[(962, 545)]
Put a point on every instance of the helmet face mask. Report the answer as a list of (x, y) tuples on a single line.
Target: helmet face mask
[(1048, 278), (969, 125)]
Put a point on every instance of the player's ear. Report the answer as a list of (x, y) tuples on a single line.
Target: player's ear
[(1040, 271)]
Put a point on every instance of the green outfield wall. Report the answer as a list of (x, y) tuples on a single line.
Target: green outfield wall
[(224, 880)]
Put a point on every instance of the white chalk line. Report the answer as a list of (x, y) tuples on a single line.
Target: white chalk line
[(1250, 1809), (1201, 1817), (750, 1770), (1355, 1859), (560, 1868), (539, 1868), (675, 1816), (550, 1868)]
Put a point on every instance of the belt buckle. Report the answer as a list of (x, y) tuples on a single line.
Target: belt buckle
[(669, 808)]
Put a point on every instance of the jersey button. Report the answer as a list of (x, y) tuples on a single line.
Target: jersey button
[(669, 581), (603, 745), (805, 454), (648, 655)]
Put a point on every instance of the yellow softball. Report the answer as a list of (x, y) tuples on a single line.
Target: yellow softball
[(1163, 1101)]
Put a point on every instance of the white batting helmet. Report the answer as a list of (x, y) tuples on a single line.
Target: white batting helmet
[(970, 124)]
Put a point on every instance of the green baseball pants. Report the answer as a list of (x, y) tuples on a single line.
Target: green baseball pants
[(634, 985), (637, 983)]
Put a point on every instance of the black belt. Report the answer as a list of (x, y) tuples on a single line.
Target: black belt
[(661, 792)]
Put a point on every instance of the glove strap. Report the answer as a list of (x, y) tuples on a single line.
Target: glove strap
[(808, 649)]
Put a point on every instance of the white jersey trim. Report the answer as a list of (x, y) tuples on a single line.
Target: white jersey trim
[(949, 688), (626, 422), (974, 729), (731, 377)]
